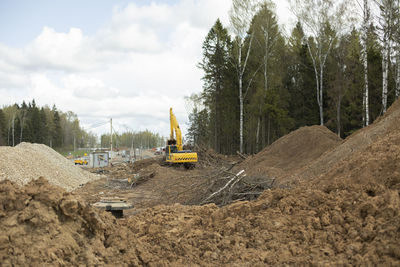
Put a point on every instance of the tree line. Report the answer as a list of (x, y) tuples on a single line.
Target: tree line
[(142, 139), (260, 84), (43, 125), (62, 130)]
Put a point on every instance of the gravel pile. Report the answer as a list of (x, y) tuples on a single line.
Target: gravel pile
[(27, 162)]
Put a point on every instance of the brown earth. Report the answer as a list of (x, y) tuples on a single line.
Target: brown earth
[(356, 225), (383, 132), (290, 153), (150, 186), (339, 205)]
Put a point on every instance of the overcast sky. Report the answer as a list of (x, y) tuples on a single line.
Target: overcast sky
[(129, 60)]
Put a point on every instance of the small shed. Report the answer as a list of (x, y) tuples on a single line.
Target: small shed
[(98, 159)]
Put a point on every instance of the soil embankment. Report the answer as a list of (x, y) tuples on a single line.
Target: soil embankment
[(27, 162)]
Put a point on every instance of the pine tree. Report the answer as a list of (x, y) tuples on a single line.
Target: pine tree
[(44, 131), (57, 138), (215, 65), (3, 129), (35, 123), (300, 81)]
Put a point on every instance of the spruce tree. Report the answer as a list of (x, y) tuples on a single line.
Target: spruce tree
[(215, 64), (3, 129)]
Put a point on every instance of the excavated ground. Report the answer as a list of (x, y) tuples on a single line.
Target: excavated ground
[(153, 185), (336, 205)]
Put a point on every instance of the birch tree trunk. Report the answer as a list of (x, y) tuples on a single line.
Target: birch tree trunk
[(397, 93), (241, 104), (385, 70), (258, 133), (321, 93), (387, 20), (241, 14), (364, 54), (338, 117), (397, 47)]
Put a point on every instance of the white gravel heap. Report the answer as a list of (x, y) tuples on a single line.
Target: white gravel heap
[(27, 162)]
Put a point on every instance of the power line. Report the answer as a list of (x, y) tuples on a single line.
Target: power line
[(96, 125)]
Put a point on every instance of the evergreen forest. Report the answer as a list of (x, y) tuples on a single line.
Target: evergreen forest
[(62, 130), (260, 83)]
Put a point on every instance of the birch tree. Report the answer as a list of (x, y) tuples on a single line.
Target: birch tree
[(323, 20), (397, 47), (266, 32), (386, 21), (364, 59), (241, 15)]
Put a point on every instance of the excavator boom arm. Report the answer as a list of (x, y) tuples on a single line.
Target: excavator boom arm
[(175, 128)]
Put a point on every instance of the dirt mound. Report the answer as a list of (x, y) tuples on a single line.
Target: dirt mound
[(290, 153), (377, 140), (40, 224), (378, 163), (347, 226), (295, 149), (144, 163), (27, 162)]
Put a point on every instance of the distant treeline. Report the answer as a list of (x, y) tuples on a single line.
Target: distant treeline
[(142, 139), (44, 125), (278, 77), (60, 130)]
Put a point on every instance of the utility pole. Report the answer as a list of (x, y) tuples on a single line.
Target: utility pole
[(111, 142)]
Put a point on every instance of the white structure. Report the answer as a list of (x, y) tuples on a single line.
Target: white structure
[(98, 159)]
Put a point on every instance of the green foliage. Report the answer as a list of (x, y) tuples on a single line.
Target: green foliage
[(279, 83), (30, 123), (3, 129), (198, 121), (218, 94), (143, 139), (300, 81)]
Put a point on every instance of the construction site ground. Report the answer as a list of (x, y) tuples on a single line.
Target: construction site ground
[(308, 199), (155, 185)]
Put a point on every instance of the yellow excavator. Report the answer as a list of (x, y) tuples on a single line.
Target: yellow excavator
[(174, 152)]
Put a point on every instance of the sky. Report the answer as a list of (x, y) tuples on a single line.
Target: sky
[(126, 60)]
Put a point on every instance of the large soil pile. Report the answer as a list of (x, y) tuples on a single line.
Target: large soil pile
[(361, 154), (356, 224), (41, 224), (290, 153), (27, 162)]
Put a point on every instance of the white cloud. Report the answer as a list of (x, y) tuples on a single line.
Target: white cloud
[(90, 88), (52, 50), (134, 69), (128, 38)]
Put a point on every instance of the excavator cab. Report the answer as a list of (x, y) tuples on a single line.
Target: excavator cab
[(170, 149)]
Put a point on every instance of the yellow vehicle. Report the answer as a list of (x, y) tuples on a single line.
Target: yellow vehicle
[(81, 161), (174, 152)]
